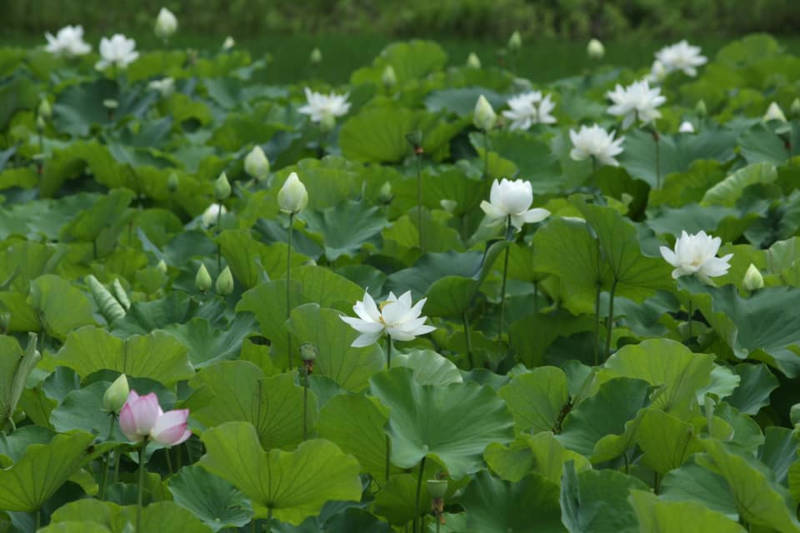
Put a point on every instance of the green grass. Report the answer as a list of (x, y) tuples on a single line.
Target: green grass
[(540, 61)]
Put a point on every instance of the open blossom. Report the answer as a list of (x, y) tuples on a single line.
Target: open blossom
[(636, 102), (321, 106), (512, 199), (119, 51), (594, 141), (396, 317), (141, 417), (528, 109), (681, 56), (696, 254), (68, 42)]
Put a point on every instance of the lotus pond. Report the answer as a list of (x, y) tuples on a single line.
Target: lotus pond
[(441, 297)]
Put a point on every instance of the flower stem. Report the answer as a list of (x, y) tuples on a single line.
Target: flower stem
[(485, 154), (658, 159), (141, 488), (468, 337), (610, 317), (419, 201), (305, 403), (503, 286), (597, 324), (689, 320), (416, 498), (219, 230), (289, 287), (388, 367), (107, 465)]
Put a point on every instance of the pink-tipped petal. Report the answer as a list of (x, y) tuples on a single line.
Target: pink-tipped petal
[(127, 423)]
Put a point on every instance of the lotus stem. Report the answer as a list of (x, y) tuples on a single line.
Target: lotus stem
[(419, 200), (658, 159), (610, 317), (416, 498), (468, 339), (107, 461), (485, 154), (689, 319), (305, 403), (289, 288), (140, 497), (219, 230), (597, 324), (503, 286)]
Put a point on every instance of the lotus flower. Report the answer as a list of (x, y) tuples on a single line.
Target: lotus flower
[(293, 196), (512, 199), (256, 163), (686, 127), (119, 51), (166, 23), (67, 42), (681, 56), (528, 109), (484, 116), (595, 142), (320, 106), (141, 417), (396, 317), (211, 214), (696, 254), (636, 102), (595, 49)]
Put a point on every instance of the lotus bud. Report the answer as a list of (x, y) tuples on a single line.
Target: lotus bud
[(203, 279), (5, 321), (228, 43), (162, 266), (385, 193), (166, 24), (212, 214), (45, 109), (484, 116), (774, 112), (795, 108), (256, 164), (328, 122), (473, 61), (515, 41), (224, 284), (316, 56), (293, 197), (753, 280), (222, 187), (448, 205), (389, 78), (116, 394), (172, 182), (308, 351), (110, 104), (595, 49), (40, 123), (686, 127), (437, 488), (700, 108)]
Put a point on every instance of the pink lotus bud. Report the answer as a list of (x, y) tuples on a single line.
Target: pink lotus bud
[(141, 417), (170, 428), (138, 416)]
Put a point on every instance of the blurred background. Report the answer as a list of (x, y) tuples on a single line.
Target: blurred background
[(350, 32)]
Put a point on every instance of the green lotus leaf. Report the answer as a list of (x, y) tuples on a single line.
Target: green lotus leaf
[(541, 454), (666, 440), (158, 356), (755, 386), (61, 307), (729, 190), (211, 499), (158, 517), (290, 486), (655, 514), (429, 367), (537, 399), (452, 423)]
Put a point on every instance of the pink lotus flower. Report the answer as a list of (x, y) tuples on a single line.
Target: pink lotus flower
[(141, 417)]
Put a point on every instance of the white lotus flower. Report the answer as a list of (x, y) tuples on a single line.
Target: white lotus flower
[(320, 105), (119, 51), (165, 86), (512, 199), (67, 42), (396, 318), (696, 254), (594, 141), (595, 49), (681, 56), (166, 23), (293, 196), (686, 127), (774, 112), (228, 43), (211, 214), (636, 102), (528, 109), (657, 72)]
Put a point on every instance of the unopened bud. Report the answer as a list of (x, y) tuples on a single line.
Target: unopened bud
[(162, 266), (686, 127), (515, 41), (256, 164), (448, 205), (5, 321), (293, 197), (484, 116), (316, 56), (595, 49), (222, 187), (166, 23), (385, 193), (116, 395), (172, 182), (228, 43), (700, 108), (753, 280), (110, 104), (389, 78), (45, 109), (795, 108), (473, 61), (224, 284), (774, 112), (40, 123), (203, 279)]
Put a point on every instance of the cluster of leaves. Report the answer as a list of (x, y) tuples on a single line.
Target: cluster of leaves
[(685, 426)]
